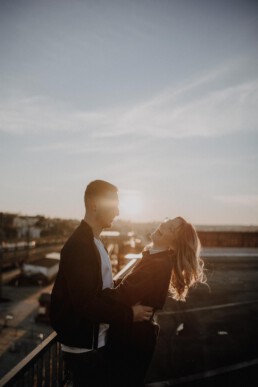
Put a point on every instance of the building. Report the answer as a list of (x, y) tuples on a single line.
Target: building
[(27, 227)]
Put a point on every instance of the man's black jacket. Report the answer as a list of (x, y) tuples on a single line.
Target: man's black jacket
[(77, 303)]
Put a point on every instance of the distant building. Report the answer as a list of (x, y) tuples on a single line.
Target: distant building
[(47, 266), (27, 227), (228, 236)]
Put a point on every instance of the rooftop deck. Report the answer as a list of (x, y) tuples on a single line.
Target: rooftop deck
[(210, 340)]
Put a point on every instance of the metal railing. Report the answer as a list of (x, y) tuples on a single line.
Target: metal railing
[(44, 366)]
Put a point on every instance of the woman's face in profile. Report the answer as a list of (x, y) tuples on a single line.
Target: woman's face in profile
[(163, 235)]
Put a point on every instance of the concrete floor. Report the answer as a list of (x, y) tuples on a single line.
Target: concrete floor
[(217, 330)]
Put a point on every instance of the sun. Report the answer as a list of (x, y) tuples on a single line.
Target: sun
[(130, 205)]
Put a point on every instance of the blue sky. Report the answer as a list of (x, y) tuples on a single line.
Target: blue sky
[(158, 97)]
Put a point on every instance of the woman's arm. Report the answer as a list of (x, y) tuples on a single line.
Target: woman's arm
[(147, 283), (131, 289)]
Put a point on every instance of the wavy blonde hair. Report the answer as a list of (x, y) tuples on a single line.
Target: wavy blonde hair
[(188, 268)]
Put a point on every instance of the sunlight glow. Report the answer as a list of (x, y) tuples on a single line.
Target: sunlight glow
[(131, 205)]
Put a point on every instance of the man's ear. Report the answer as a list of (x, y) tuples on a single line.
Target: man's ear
[(91, 205)]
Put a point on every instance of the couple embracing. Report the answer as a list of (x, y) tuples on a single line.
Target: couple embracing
[(107, 329)]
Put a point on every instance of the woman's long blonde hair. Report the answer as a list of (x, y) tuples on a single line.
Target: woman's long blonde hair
[(188, 267)]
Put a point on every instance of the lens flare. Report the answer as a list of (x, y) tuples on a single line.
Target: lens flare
[(130, 206)]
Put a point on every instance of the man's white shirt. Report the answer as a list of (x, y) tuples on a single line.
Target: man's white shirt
[(106, 271)]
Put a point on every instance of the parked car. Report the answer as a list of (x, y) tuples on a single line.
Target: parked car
[(44, 308)]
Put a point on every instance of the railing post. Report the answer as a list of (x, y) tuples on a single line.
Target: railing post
[(47, 367), (54, 364), (39, 372)]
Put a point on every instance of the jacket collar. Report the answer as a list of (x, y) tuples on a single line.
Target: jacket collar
[(86, 229), (89, 236), (159, 254)]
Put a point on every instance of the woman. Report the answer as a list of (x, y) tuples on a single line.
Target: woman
[(170, 264)]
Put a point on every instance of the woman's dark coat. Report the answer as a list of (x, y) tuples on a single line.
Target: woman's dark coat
[(147, 283)]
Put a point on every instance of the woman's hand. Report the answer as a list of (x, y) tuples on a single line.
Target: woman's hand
[(141, 312)]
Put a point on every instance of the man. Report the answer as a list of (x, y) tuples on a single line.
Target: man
[(79, 314)]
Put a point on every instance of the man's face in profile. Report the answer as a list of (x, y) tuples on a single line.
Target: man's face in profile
[(107, 208)]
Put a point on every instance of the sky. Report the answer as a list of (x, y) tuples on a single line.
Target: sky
[(159, 97)]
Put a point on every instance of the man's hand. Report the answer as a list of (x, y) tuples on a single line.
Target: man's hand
[(141, 312)]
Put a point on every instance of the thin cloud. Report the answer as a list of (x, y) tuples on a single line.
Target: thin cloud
[(84, 145), (201, 107), (238, 200), (217, 112)]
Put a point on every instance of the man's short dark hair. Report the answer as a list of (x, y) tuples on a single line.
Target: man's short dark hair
[(98, 188)]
